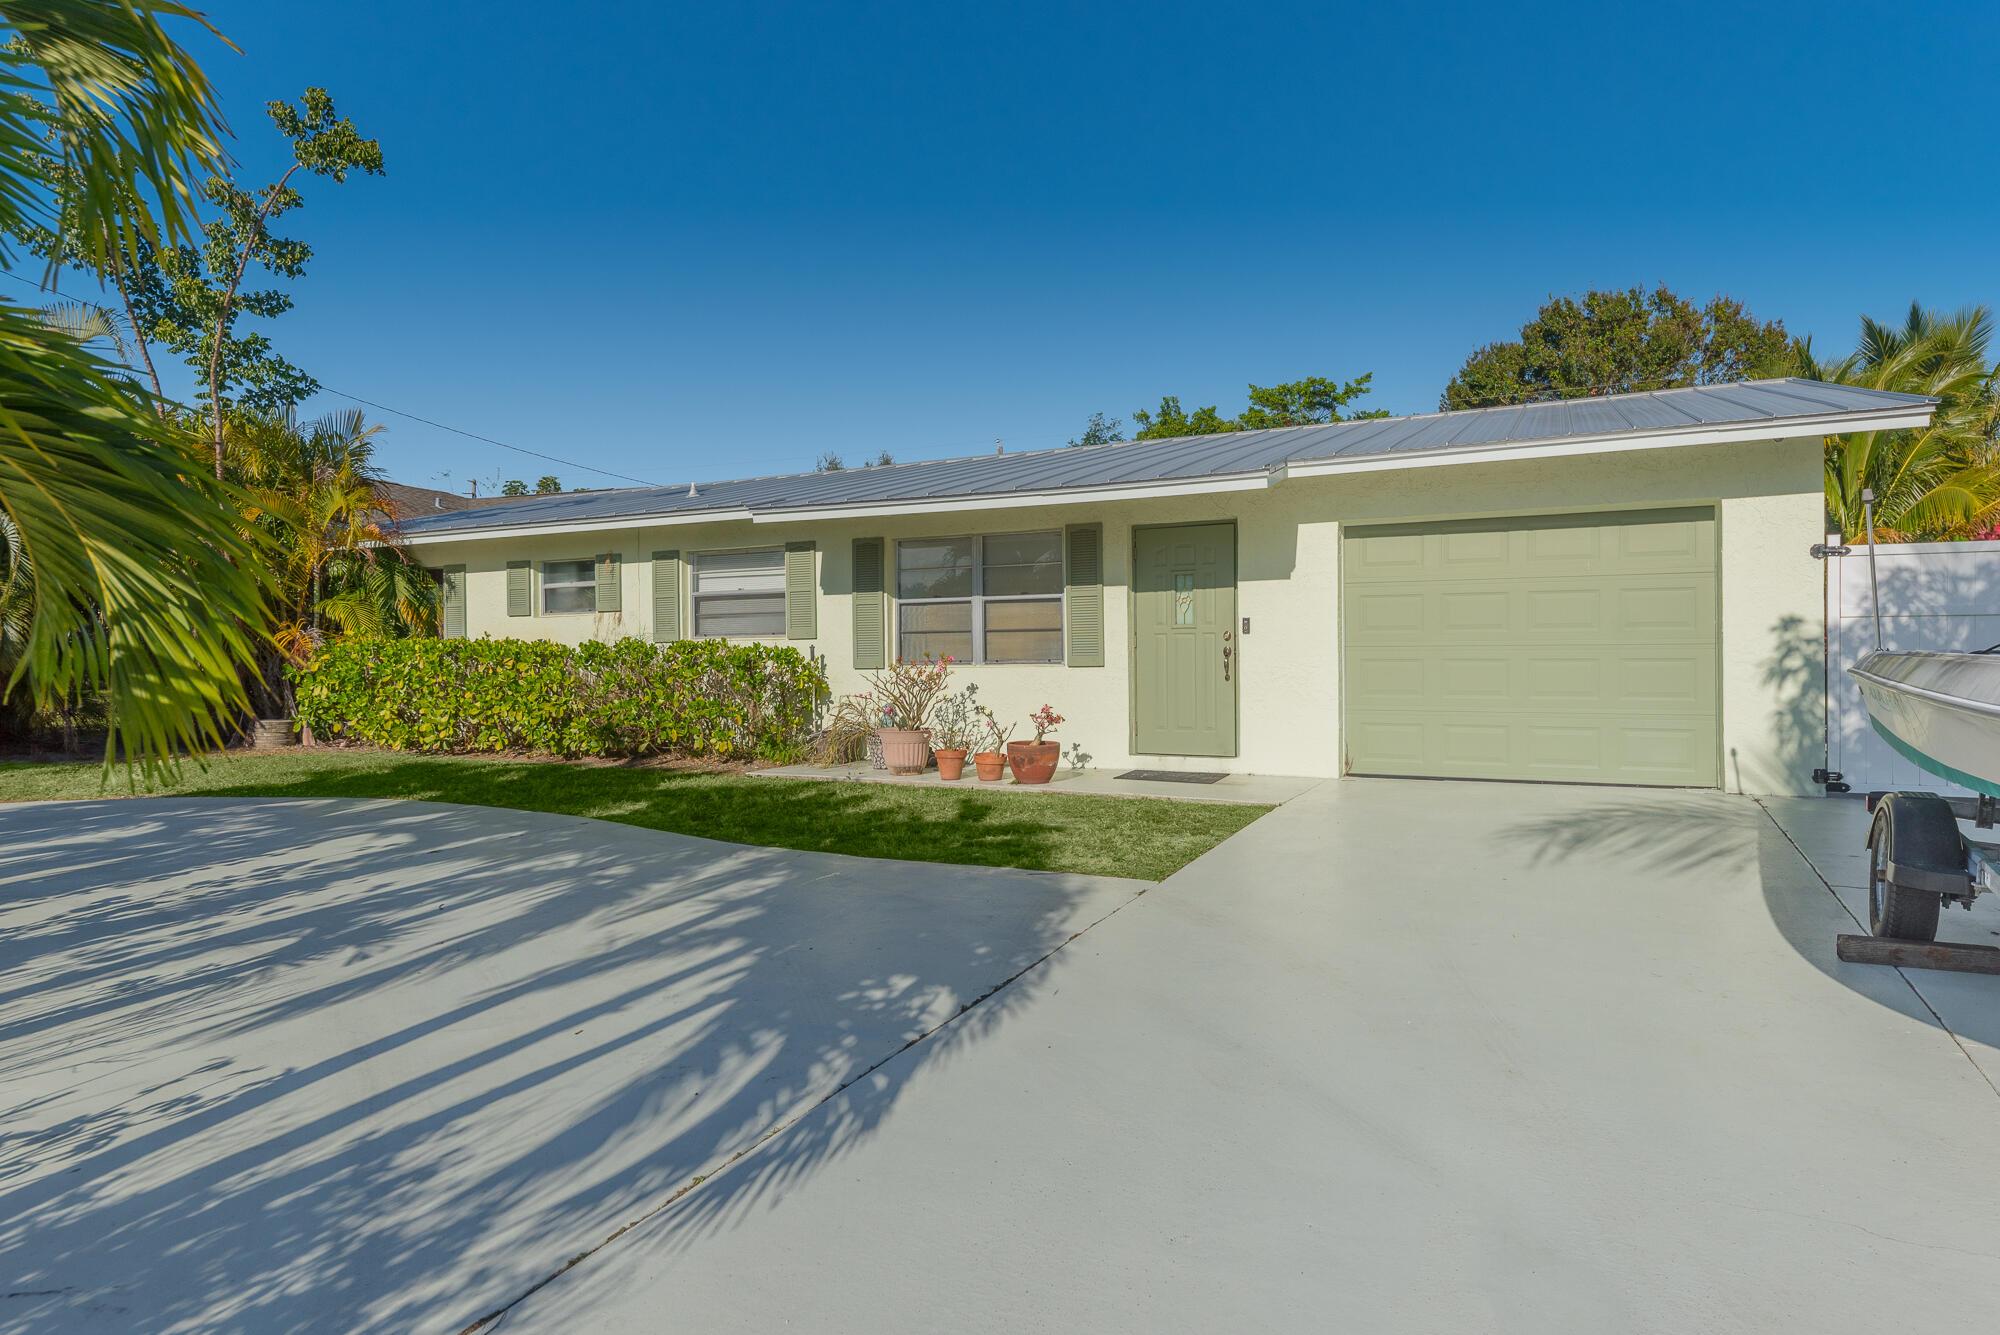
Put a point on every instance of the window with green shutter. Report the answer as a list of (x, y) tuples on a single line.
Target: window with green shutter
[(452, 587), (801, 591), (520, 590), (870, 605), (666, 597), (610, 598), (1083, 582)]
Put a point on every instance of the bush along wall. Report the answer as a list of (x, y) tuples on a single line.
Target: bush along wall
[(704, 698)]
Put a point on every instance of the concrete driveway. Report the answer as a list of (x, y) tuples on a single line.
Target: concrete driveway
[(1398, 1057), (382, 1066)]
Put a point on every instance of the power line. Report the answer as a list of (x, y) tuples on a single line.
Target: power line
[(474, 435), (379, 407)]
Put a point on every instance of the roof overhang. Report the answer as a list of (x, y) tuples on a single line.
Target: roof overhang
[(1899, 417)]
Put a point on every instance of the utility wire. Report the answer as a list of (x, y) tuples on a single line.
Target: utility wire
[(474, 435), (379, 407)]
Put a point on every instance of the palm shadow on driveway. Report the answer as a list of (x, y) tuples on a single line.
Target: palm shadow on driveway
[(382, 1066)]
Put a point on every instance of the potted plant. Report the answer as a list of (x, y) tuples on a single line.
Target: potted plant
[(908, 691), (956, 728), (1035, 762), (992, 761)]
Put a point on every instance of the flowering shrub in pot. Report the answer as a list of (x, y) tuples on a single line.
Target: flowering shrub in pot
[(1035, 762), (991, 759), (956, 727), (909, 692)]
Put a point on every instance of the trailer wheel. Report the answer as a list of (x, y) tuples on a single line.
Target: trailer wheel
[(1902, 912)]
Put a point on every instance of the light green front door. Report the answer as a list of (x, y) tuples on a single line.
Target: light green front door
[(1578, 648), (1184, 651)]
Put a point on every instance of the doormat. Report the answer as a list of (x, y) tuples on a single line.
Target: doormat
[(1171, 776)]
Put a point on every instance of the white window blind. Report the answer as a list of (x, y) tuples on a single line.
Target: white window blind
[(739, 594)]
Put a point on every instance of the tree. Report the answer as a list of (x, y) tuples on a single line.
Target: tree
[(189, 297), (547, 485), (142, 585), (1937, 483), (1297, 403), (1304, 403), (830, 463), (1170, 420), (513, 486), (1614, 342), (1100, 430), (313, 490)]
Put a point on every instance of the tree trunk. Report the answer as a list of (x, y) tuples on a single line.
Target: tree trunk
[(139, 337)]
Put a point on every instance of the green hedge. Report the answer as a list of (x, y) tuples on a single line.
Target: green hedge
[(689, 698)]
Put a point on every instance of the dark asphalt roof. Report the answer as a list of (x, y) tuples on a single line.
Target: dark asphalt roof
[(1751, 403)]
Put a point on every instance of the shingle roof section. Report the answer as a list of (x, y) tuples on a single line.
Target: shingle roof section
[(1189, 458)]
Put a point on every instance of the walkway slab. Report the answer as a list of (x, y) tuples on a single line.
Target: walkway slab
[(1400, 1057), (381, 1066)]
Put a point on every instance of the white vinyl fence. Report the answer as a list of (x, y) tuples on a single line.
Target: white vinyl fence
[(1935, 595)]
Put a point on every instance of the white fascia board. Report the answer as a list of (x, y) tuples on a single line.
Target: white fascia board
[(1208, 486), (1887, 419), (577, 526)]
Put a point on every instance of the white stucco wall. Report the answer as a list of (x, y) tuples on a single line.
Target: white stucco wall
[(1288, 564)]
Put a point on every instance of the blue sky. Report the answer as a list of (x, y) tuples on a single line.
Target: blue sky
[(682, 241)]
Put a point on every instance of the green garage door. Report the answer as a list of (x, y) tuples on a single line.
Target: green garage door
[(1575, 648)]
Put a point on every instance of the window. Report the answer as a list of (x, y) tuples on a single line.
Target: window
[(995, 599), (739, 593), (569, 586)]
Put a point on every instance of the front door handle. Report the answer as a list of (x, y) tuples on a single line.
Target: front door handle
[(1226, 654)]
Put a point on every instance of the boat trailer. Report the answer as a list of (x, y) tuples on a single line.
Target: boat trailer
[(1919, 863), (1919, 860)]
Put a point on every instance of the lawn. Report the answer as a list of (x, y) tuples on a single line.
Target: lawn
[(1147, 838)]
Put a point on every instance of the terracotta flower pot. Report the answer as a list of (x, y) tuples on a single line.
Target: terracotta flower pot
[(1033, 762), (991, 765), (951, 763), (905, 750)]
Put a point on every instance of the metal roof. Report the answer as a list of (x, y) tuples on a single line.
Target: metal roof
[(1800, 407)]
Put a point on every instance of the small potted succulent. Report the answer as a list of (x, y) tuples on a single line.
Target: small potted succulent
[(991, 762), (956, 727), (909, 691), (1035, 762)]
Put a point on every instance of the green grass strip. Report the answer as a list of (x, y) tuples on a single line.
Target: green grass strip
[(1146, 838)]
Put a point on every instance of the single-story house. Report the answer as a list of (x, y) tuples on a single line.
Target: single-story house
[(1611, 590)]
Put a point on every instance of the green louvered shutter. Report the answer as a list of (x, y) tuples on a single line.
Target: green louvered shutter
[(1084, 585), (520, 594), (454, 602), (870, 606), (801, 592), (666, 596), (609, 598)]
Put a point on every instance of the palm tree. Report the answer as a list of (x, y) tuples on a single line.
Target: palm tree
[(143, 585), (313, 490), (1944, 480)]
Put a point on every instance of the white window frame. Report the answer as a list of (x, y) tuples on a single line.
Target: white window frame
[(695, 595), (979, 597), (589, 563)]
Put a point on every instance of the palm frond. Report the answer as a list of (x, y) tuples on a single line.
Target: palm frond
[(143, 586)]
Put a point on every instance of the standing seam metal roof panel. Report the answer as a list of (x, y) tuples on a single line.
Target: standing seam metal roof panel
[(1748, 404)]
